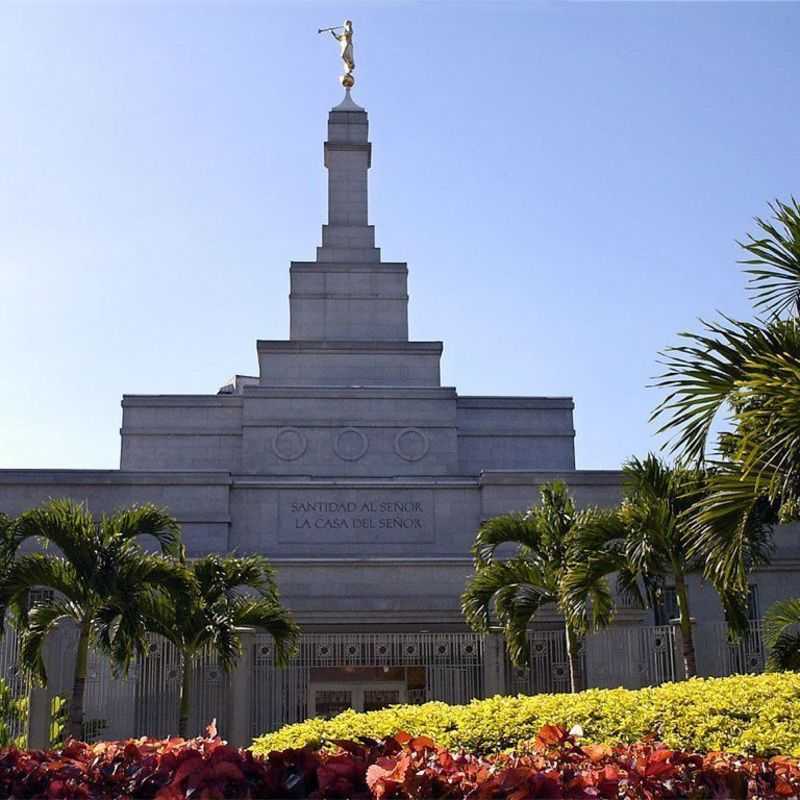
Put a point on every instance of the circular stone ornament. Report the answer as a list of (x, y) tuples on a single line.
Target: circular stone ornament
[(411, 444), (289, 444), (350, 444)]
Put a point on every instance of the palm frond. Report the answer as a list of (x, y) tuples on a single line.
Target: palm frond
[(595, 551), (730, 529), (635, 590), (774, 267), (502, 581), (140, 569), (211, 576), (782, 634), (66, 524), (502, 530), (250, 572), (701, 378), (8, 543), (517, 605), (269, 616), (35, 570), (785, 654), (161, 616), (42, 619), (145, 520)]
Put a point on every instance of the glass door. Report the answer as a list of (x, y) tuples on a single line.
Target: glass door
[(326, 700)]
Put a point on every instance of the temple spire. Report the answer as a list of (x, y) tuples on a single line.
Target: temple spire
[(347, 293)]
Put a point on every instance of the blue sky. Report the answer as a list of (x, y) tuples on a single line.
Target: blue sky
[(565, 180)]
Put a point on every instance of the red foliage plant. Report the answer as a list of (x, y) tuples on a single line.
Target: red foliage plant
[(401, 767)]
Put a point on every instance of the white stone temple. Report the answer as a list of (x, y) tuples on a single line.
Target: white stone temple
[(364, 480)]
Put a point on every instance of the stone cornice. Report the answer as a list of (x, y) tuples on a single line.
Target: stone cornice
[(344, 266), (522, 434), (350, 392), (578, 477), (240, 481), (348, 346), (95, 477), (505, 401), (388, 561), (179, 400)]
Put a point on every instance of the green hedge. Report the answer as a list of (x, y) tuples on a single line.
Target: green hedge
[(754, 714)]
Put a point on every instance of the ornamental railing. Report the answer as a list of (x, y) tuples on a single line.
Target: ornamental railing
[(365, 670)]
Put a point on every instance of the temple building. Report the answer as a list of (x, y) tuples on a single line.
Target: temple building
[(364, 480)]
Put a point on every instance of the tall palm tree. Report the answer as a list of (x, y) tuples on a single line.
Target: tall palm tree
[(650, 540), (516, 588), (231, 593), (749, 371), (782, 635), (101, 578), (656, 534)]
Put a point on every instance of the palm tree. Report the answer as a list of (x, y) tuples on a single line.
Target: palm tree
[(650, 540), (516, 588), (656, 534), (231, 593), (751, 372), (782, 635), (102, 580)]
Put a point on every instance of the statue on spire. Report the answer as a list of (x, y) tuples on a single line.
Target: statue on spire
[(345, 39)]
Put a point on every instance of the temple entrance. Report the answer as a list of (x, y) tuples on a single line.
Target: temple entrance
[(332, 690), (363, 671), (327, 699)]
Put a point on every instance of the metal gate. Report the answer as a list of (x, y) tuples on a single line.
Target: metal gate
[(718, 655), (452, 664), (631, 656), (16, 689), (548, 667), (143, 702)]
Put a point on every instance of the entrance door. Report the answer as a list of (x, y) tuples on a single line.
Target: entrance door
[(329, 699)]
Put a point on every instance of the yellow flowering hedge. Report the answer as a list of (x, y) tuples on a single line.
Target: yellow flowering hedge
[(753, 714)]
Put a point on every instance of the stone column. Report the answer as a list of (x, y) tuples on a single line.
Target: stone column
[(239, 733), (38, 718), (494, 665)]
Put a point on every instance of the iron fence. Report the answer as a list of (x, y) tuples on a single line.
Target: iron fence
[(401, 667)]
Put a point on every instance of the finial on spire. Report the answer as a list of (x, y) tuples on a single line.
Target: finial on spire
[(345, 39)]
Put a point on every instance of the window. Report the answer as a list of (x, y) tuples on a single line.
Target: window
[(667, 609), (39, 595), (753, 606)]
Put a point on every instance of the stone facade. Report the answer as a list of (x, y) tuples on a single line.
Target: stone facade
[(345, 460)]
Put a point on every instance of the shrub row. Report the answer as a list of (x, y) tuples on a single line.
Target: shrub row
[(400, 767), (751, 714)]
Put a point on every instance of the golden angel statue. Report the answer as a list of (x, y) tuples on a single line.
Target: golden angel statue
[(345, 39)]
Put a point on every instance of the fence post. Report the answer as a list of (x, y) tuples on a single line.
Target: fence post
[(38, 718), (494, 665), (239, 733)]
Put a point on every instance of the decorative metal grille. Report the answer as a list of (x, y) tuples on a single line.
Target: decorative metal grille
[(18, 682), (548, 667), (718, 655), (145, 701), (631, 656), (453, 665), (437, 666)]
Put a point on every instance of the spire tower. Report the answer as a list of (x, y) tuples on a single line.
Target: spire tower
[(348, 293)]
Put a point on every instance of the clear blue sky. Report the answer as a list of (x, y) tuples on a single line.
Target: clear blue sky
[(565, 180)]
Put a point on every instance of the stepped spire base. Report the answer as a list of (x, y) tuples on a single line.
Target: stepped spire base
[(347, 104)]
